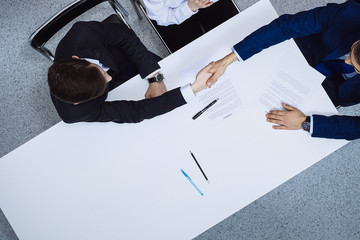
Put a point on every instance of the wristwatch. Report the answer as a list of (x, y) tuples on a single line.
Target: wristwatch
[(306, 124), (157, 78)]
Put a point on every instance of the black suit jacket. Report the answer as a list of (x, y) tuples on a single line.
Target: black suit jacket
[(114, 45)]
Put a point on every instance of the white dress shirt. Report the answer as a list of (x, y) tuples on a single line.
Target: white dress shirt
[(167, 12)]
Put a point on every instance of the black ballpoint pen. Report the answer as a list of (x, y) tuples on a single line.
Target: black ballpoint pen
[(204, 109), (199, 167)]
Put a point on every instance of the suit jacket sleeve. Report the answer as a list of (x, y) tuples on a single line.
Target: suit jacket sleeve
[(285, 27), (120, 111), (338, 127)]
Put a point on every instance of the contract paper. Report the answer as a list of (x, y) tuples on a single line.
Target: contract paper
[(229, 97), (283, 88)]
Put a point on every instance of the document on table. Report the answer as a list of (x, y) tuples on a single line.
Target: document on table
[(229, 97), (283, 88)]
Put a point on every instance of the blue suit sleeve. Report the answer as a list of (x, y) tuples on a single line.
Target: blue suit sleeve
[(337, 127), (285, 27)]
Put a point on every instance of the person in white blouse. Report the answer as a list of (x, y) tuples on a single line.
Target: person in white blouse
[(168, 12)]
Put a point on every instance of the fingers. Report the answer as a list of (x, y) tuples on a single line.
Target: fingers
[(277, 112), (279, 127), (276, 119), (280, 123), (288, 107), (208, 67), (208, 4), (212, 80), (211, 64)]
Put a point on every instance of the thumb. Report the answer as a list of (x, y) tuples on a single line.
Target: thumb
[(209, 66), (288, 107), (211, 81)]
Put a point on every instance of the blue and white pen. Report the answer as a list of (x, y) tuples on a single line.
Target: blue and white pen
[(187, 176)]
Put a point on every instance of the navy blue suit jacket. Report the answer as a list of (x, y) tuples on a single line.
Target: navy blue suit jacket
[(115, 46), (322, 33)]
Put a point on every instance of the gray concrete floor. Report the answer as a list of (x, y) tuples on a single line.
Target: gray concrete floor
[(322, 202)]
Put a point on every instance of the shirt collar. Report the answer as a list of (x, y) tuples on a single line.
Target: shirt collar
[(95, 61)]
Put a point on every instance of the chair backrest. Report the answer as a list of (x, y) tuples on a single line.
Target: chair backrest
[(39, 38), (175, 36)]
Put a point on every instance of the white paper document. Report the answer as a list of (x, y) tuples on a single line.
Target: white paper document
[(229, 99), (283, 88)]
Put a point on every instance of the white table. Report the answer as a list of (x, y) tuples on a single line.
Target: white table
[(111, 181)]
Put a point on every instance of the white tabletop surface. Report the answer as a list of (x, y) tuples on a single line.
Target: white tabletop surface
[(123, 181)]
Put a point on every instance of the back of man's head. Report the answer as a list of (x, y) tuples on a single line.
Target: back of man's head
[(357, 51), (75, 81)]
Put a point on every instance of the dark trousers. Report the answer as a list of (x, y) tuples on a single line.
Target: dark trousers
[(177, 36)]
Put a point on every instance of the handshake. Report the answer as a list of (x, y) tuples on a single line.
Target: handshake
[(210, 74)]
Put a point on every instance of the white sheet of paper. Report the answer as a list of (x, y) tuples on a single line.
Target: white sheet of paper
[(229, 99), (283, 88)]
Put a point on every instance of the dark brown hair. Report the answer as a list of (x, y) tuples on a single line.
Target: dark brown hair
[(75, 81), (357, 52)]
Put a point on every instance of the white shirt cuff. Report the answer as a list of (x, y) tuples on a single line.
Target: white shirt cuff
[(186, 12), (311, 125), (237, 55), (187, 93), (153, 73)]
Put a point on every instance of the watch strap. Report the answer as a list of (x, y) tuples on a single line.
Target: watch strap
[(157, 78)]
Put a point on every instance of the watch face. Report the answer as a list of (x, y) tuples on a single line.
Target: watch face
[(159, 77), (306, 126)]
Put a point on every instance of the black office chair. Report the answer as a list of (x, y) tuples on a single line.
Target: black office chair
[(175, 36), (39, 38)]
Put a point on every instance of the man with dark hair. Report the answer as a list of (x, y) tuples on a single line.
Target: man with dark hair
[(76, 81), (328, 37), (94, 58)]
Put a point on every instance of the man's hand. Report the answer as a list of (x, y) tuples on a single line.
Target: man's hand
[(219, 68), (194, 5), (290, 119), (155, 89), (201, 78)]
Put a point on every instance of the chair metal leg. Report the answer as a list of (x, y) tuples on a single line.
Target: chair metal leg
[(142, 9), (119, 10), (135, 4)]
